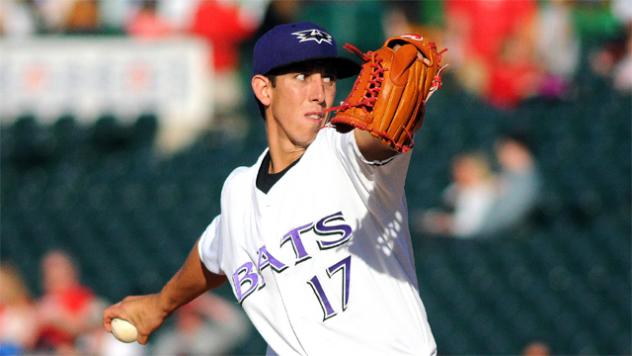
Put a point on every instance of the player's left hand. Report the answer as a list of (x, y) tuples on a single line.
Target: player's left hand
[(389, 96)]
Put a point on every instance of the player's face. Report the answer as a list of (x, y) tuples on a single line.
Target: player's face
[(298, 102)]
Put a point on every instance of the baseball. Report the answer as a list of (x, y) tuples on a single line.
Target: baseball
[(123, 330)]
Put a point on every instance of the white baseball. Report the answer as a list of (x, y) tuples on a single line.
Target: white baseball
[(123, 330)]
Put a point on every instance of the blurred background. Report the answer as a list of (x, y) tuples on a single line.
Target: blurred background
[(120, 120)]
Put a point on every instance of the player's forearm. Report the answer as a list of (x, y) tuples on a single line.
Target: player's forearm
[(188, 283)]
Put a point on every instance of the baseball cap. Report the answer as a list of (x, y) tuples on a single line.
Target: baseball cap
[(298, 42)]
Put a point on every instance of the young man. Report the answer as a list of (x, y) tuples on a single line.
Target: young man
[(313, 237)]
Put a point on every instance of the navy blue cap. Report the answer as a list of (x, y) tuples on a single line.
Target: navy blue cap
[(294, 43)]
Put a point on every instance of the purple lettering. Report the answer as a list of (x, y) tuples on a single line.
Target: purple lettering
[(294, 236), (345, 266), (325, 305), (266, 259), (245, 275), (322, 228)]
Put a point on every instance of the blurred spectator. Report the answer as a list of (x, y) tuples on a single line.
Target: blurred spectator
[(515, 75), (516, 187), (224, 25), (402, 17), (82, 18), (208, 325), (606, 28), (114, 14), (54, 13), (558, 46), (623, 69), (146, 22), (17, 18), (487, 24), (67, 309), (18, 316), (622, 9), (492, 47), (178, 14), (485, 204), (470, 197), (611, 52)]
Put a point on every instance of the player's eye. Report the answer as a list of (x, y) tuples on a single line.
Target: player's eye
[(300, 76), (329, 78)]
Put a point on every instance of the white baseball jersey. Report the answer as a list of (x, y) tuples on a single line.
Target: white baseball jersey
[(323, 263)]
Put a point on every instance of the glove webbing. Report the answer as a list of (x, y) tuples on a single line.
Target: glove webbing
[(375, 84), (372, 92)]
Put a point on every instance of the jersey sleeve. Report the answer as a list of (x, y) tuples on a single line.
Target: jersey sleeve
[(385, 178), (209, 246)]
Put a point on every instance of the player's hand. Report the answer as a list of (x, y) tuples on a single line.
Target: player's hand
[(389, 96), (145, 312)]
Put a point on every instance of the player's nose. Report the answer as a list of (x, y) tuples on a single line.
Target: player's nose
[(317, 88)]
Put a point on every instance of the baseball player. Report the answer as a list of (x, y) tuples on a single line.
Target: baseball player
[(313, 237)]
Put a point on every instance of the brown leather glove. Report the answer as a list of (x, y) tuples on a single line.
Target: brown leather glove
[(389, 96)]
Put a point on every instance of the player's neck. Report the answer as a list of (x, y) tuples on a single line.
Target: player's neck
[(283, 150), (282, 157)]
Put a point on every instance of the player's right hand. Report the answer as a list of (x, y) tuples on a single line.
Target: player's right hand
[(144, 312)]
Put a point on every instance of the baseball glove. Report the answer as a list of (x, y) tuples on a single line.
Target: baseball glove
[(389, 95)]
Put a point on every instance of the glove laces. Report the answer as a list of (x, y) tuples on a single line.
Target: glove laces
[(436, 81), (374, 83)]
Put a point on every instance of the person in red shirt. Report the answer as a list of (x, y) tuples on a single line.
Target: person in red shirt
[(496, 48), (146, 23), (224, 26), (67, 309)]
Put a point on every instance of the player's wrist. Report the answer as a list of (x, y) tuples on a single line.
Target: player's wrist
[(165, 304)]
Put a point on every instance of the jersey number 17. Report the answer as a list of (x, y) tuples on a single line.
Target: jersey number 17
[(343, 265)]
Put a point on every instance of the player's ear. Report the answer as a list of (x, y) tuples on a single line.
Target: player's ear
[(262, 87)]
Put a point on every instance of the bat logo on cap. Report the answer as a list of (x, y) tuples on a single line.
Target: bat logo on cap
[(315, 35)]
